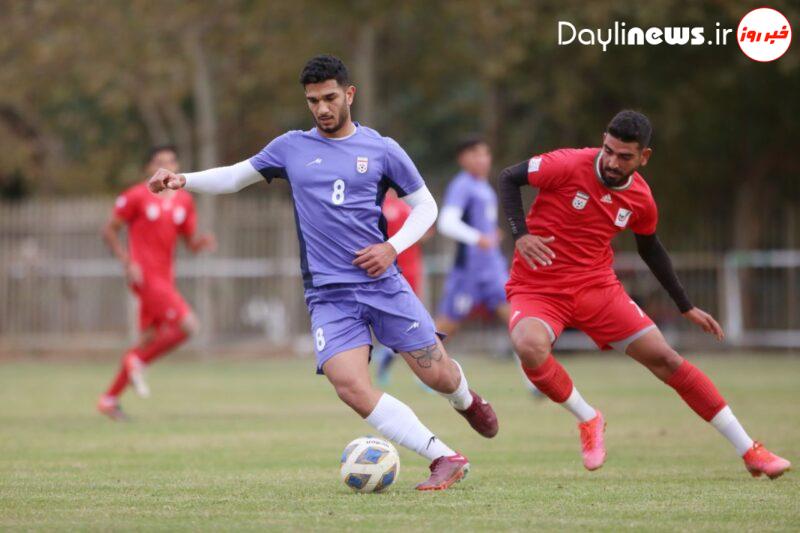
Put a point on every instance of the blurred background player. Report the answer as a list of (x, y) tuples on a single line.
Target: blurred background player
[(562, 275), (396, 211), (469, 216), (339, 172), (154, 222)]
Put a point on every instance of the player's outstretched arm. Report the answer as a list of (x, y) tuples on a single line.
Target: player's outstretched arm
[(376, 258), (657, 259), (220, 180), (451, 225), (532, 248)]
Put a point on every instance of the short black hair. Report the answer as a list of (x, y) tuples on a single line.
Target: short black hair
[(322, 68), (157, 149), (631, 126), (469, 142)]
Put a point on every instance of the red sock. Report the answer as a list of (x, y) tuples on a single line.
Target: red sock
[(551, 378), (120, 381), (697, 390), (167, 337)]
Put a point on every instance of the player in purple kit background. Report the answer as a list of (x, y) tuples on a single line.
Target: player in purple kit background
[(338, 173), (469, 216)]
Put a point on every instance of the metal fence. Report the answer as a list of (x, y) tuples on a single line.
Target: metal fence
[(60, 288)]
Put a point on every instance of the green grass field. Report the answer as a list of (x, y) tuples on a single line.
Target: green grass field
[(255, 445)]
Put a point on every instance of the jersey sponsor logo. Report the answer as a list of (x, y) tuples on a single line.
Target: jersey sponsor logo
[(606, 199), (362, 164), (152, 212), (623, 215), (580, 200), (533, 164), (317, 161), (179, 215)]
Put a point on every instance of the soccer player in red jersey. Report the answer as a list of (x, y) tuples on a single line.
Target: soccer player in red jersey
[(562, 276), (154, 222)]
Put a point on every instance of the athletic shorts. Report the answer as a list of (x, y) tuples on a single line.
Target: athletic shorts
[(606, 314), (342, 315), (160, 303), (463, 292)]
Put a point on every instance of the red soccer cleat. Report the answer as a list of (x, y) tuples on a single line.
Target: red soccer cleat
[(759, 460), (593, 446), (480, 416), (109, 406), (445, 471)]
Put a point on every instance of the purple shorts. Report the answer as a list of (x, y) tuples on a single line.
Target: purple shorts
[(342, 314), (463, 291)]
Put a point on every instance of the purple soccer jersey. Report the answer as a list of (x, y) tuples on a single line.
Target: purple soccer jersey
[(478, 202), (338, 186)]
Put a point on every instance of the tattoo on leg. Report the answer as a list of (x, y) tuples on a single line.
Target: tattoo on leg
[(426, 356)]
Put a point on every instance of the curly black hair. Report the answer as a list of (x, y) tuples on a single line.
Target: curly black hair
[(322, 68), (631, 126), (469, 142)]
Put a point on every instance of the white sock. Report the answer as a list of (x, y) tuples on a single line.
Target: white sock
[(576, 405), (397, 422), (726, 423), (460, 398)]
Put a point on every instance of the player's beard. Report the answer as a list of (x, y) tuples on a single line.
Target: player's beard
[(613, 179), (344, 116)]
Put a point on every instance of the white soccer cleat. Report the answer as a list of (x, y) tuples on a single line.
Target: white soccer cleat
[(135, 369)]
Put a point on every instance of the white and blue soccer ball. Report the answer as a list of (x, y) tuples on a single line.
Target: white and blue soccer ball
[(370, 464)]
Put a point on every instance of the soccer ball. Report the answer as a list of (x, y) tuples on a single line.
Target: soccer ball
[(370, 464)]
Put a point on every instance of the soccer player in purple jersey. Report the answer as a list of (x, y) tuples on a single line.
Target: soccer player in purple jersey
[(338, 173), (469, 216)]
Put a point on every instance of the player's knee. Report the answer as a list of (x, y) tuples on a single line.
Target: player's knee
[(354, 394), (664, 362), (531, 345)]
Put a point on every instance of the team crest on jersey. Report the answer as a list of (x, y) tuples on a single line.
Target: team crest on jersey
[(623, 215), (152, 211), (580, 200), (362, 164)]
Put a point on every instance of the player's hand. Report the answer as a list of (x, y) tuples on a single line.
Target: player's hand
[(133, 273), (705, 321), (376, 258), (485, 242), (206, 242), (534, 249), (164, 179)]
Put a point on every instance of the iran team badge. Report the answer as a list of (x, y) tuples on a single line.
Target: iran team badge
[(623, 215), (362, 164), (580, 200)]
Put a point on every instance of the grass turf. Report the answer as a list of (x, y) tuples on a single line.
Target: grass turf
[(255, 445)]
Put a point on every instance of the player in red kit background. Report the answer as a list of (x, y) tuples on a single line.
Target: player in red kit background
[(562, 276), (154, 222), (396, 211)]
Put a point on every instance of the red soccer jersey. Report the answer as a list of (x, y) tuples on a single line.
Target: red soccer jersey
[(396, 211), (583, 214), (154, 223)]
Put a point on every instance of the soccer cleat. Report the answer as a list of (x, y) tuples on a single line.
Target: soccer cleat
[(135, 368), (759, 460), (445, 471), (109, 406), (593, 446), (480, 416)]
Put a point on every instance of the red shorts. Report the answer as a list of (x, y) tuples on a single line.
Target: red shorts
[(607, 314), (160, 303)]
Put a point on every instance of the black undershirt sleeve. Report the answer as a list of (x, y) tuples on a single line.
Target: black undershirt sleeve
[(511, 179), (657, 259)]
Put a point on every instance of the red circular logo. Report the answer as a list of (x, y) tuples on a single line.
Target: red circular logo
[(764, 34)]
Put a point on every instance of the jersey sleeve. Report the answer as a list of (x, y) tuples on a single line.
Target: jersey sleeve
[(548, 171), (126, 206), (270, 161), (401, 171), (645, 222), (189, 224), (456, 195)]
